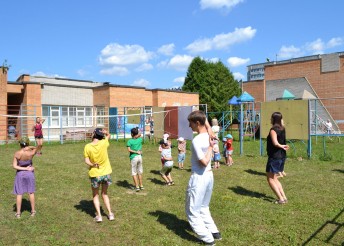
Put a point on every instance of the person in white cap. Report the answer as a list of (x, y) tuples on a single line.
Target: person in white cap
[(181, 152)]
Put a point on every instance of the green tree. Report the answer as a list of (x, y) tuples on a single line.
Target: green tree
[(214, 83)]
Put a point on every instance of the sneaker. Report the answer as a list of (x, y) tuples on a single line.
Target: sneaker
[(137, 189), (209, 244), (172, 183), (142, 188), (98, 219), (111, 216), (217, 236), (17, 215), (33, 213)]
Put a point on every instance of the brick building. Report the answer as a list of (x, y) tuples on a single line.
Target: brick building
[(76, 100), (313, 77)]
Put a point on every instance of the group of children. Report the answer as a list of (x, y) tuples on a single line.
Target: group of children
[(227, 143)]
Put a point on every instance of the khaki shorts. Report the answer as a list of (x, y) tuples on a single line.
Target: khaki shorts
[(136, 165)]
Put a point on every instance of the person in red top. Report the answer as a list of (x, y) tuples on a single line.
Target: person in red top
[(38, 133), (229, 150)]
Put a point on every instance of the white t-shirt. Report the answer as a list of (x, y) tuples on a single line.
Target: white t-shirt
[(215, 130), (199, 148), (167, 153)]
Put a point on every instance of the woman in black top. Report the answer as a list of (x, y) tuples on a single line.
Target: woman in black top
[(276, 149)]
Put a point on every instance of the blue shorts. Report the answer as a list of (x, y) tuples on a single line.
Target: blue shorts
[(181, 157), (275, 165), (217, 157)]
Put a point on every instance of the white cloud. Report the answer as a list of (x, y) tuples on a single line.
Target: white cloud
[(287, 52), (180, 62), (237, 61), (317, 46), (116, 70), (120, 55), (238, 76), (214, 60), (179, 80), (141, 82), (222, 41), (335, 42), (219, 4), (162, 64), (144, 67), (42, 74), (167, 49)]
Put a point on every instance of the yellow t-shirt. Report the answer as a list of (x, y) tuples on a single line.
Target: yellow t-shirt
[(97, 153)]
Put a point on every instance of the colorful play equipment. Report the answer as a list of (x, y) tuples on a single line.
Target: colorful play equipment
[(247, 118)]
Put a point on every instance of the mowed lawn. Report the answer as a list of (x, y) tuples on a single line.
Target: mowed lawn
[(241, 203)]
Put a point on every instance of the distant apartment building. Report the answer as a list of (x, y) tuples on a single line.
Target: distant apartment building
[(311, 77)]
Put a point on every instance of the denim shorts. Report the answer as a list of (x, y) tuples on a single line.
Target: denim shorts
[(275, 165), (181, 157)]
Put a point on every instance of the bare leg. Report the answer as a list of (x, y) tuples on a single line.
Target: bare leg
[(106, 198), (169, 177), (19, 203), (280, 188), (272, 178), (39, 145), (165, 178), (95, 193), (32, 202), (136, 182), (140, 180), (230, 160)]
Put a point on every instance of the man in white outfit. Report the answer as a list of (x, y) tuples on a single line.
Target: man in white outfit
[(200, 187)]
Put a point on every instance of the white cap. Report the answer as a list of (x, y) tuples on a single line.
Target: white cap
[(180, 139), (166, 136)]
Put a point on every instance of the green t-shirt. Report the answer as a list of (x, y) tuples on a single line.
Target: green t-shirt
[(134, 144)]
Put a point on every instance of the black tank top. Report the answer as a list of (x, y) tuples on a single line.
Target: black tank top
[(274, 152)]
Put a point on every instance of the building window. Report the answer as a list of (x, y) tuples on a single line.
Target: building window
[(100, 119), (68, 116)]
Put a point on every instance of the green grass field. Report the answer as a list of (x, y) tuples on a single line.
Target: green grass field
[(241, 204)]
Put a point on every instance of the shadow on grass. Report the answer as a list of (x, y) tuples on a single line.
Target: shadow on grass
[(26, 206), (245, 192), (338, 170), (88, 207), (157, 181), (336, 224), (254, 172), (157, 172), (124, 183), (172, 222)]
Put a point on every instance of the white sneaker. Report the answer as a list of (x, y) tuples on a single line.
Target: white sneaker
[(111, 216), (98, 219)]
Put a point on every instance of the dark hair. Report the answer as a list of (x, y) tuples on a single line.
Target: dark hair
[(98, 134), (134, 131), (197, 116), (276, 120)]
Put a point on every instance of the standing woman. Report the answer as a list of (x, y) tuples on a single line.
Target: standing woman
[(97, 159), (38, 133), (25, 178), (276, 149)]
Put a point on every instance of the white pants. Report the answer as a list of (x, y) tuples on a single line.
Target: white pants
[(198, 196)]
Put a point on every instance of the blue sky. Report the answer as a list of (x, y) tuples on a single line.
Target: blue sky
[(150, 43)]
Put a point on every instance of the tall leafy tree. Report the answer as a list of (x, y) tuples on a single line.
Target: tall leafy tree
[(214, 83)]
